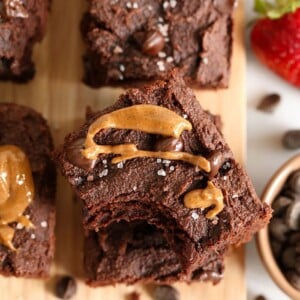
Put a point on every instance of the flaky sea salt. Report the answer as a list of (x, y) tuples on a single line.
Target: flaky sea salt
[(162, 54), (32, 236), (120, 165), (195, 216), (169, 59), (172, 168), (173, 3), (161, 66), (103, 173), (19, 226), (44, 224), (158, 160), (122, 68), (161, 172)]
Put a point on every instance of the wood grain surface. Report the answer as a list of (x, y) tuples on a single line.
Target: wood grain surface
[(57, 92)]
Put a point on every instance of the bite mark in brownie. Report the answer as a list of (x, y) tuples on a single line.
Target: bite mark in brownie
[(22, 25), (153, 190), (34, 247), (141, 40)]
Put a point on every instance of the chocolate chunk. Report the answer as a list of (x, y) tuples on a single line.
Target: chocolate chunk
[(278, 229), (66, 287), (165, 292), (154, 43), (269, 103), (74, 155), (216, 161), (291, 139), (168, 144), (288, 258), (294, 279), (280, 205), (292, 215), (260, 297), (294, 182)]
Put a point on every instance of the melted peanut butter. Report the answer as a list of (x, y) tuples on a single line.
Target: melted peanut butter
[(16, 191), (204, 198), (148, 118)]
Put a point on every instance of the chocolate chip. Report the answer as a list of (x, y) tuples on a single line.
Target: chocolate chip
[(168, 144), (133, 296), (280, 205), (278, 229), (66, 287), (269, 103), (74, 155), (292, 215), (288, 258), (291, 139), (165, 292), (294, 182), (154, 43), (260, 297), (216, 161), (294, 279)]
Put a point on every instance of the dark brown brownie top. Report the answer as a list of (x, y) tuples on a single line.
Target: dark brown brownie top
[(25, 128), (144, 39), (153, 190), (22, 23)]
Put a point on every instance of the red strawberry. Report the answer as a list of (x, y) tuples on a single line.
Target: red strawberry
[(275, 39)]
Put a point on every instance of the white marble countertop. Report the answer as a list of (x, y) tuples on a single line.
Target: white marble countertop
[(265, 153)]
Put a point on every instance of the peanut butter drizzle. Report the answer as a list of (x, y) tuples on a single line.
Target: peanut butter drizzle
[(204, 198), (148, 118), (16, 191)]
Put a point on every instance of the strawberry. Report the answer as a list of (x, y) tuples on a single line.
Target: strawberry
[(275, 38)]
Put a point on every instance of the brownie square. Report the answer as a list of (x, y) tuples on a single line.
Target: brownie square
[(153, 190), (22, 24), (141, 40), (34, 247)]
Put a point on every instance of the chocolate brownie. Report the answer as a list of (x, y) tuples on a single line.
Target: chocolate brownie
[(22, 24), (141, 40), (30, 252), (201, 208)]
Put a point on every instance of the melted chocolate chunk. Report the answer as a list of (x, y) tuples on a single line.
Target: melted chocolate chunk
[(74, 155), (168, 144), (154, 43), (216, 161), (165, 292)]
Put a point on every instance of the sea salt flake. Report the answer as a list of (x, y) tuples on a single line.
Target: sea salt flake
[(161, 172), (165, 5), (122, 68), (104, 161), (173, 3), (224, 177), (158, 160), (19, 226), (103, 173), (163, 28), (134, 188), (120, 165), (185, 116), (166, 161), (32, 236), (205, 60), (162, 54), (149, 7), (235, 196), (172, 168), (135, 5), (128, 5), (44, 224), (161, 66), (195, 216), (170, 59), (160, 19)]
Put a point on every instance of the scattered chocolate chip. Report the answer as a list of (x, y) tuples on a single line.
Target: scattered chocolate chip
[(288, 258), (292, 216), (168, 144), (76, 158), (154, 43), (269, 103), (280, 205), (165, 292), (66, 287), (260, 297), (291, 139), (133, 296), (293, 278), (278, 229), (294, 182)]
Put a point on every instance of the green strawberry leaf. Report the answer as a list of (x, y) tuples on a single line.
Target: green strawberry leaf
[(276, 8)]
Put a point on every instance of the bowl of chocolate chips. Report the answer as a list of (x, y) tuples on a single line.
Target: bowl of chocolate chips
[(279, 242)]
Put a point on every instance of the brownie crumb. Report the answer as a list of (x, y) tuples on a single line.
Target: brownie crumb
[(269, 103), (66, 287)]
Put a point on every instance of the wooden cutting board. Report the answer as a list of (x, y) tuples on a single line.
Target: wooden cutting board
[(57, 92)]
